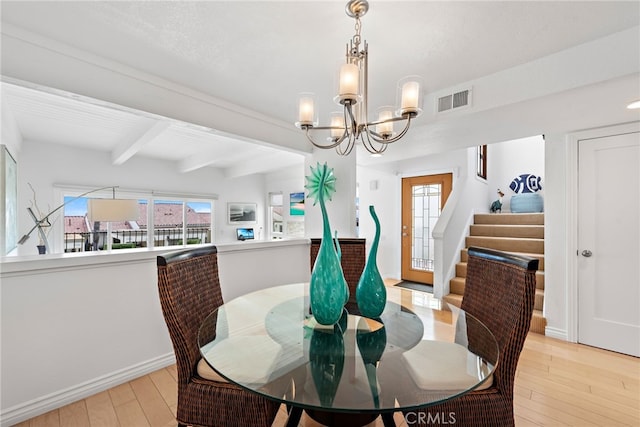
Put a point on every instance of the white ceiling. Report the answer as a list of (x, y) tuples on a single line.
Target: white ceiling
[(259, 55), (83, 123)]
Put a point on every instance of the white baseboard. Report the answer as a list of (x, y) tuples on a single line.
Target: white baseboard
[(41, 405), (560, 334)]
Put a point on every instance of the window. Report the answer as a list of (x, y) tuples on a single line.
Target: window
[(166, 221), (481, 161), (276, 215), (81, 234), (176, 222)]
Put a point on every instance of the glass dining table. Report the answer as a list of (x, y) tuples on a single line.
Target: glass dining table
[(419, 352)]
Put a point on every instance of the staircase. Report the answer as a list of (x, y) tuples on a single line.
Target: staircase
[(516, 233)]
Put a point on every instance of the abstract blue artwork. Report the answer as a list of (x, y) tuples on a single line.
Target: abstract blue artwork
[(526, 183)]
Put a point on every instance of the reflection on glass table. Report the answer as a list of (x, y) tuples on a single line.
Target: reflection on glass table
[(416, 354)]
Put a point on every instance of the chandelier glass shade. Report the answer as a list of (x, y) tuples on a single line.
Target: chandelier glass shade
[(352, 124)]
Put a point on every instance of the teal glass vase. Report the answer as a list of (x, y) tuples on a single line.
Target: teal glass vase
[(326, 360), (328, 290), (371, 295), (371, 345)]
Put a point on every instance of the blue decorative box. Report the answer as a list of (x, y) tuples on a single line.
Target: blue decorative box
[(526, 203)]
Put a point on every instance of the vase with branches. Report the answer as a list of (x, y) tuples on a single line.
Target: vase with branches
[(42, 220), (44, 224)]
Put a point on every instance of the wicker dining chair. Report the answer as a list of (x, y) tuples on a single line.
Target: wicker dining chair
[(189, 288), (500, 292)]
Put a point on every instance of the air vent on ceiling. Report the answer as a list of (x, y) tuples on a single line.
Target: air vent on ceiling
[(453, 101)]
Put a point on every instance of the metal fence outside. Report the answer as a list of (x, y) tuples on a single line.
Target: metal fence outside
[(126, 239)]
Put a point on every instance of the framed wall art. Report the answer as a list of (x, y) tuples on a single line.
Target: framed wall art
[(296, 204), (9, 202), (241, 213)]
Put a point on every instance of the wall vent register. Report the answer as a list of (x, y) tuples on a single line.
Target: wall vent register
[(455, 100)]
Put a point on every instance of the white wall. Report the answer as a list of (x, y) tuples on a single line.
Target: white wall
[(510, 159), (556, 235), (76, 324), (341, 210), (243, 189), (381, 189), (70, 331)]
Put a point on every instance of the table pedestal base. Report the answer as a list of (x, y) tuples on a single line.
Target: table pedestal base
[(338, 419), (341, 419)]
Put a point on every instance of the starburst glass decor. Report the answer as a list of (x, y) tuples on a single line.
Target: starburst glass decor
[(328, 291)]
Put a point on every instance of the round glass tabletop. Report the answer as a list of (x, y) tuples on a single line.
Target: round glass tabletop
[(416, 354)]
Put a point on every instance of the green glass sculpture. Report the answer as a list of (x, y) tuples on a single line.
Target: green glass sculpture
[(328, 291), (371, 344), (371, 294), (326, 360)]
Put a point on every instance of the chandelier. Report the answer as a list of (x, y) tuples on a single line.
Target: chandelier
[(351, 125)]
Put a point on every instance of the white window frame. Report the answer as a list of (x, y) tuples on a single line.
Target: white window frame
[(61, 191), (273, 234)]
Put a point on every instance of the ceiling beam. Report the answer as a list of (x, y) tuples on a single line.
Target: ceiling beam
[(266, 162), (127, 149), (199, 160)]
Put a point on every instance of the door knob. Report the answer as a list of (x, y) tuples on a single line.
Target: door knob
[(404, 234), (586, 253)]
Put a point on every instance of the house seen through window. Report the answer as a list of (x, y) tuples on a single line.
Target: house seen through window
[(167, 222)]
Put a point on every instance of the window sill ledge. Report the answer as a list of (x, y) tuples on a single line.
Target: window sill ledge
[(30, 263)]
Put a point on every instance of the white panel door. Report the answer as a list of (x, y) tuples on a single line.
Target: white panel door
[(609, 243)]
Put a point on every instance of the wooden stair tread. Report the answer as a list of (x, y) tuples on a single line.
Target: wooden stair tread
[(509, 238), (461, 270), (538, 322), (510, 218), (508, 230), (464, 256), (507, 243), (456, 288), (527, 254), (453, 299)]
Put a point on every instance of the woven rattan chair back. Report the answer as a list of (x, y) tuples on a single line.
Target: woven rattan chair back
[(189, 289), (500, 292)]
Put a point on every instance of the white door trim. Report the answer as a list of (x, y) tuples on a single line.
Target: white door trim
[(573, 140)]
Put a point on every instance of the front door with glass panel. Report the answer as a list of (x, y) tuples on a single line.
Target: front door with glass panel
[(423, 198)]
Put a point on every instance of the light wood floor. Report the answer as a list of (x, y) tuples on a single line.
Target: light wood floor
[(557, 384)]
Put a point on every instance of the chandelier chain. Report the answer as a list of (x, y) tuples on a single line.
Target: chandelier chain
[(356, 36)]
